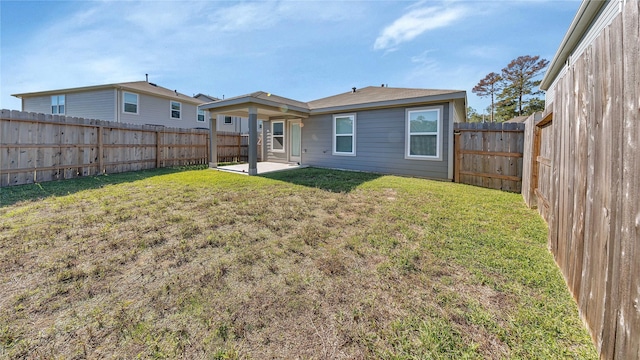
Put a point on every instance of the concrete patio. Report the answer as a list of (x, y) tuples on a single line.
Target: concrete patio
[(263, 167)]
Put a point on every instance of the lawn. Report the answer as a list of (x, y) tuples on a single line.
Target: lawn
[(313, 264)]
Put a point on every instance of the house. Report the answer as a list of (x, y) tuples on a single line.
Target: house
[(228, 123), (590, 167), (377, 129), (138, 102)]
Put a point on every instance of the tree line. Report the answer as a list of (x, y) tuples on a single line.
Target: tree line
[(513, 91)]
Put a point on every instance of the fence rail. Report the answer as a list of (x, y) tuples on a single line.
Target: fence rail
[(39, 147), (489, 155)]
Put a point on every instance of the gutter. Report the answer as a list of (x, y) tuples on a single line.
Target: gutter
[(588, 10)]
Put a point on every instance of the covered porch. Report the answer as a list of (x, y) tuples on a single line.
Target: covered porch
[(287, 113)]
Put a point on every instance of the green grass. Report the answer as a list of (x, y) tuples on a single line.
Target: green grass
[(195, 263)]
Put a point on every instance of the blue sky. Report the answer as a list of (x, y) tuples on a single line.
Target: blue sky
[(303, 50)]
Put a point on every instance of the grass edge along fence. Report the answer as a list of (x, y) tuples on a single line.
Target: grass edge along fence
[(42, 147)]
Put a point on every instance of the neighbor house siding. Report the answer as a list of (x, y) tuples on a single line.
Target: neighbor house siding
[(155, 110), (89, 105), (380, 144)]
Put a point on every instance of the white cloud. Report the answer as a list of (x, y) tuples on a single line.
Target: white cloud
[(415, 23)]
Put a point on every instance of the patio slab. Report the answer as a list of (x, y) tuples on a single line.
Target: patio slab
[(263, 167)]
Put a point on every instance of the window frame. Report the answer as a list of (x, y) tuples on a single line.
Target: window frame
[(124, 103), (204, 115), (171, 102), (57, 104), (224, 121), (438, 133), (284, 131), (334, 136)]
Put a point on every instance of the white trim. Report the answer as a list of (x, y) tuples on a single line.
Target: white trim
[(57, 105), (284, 132), (124, 102), (438, 134), (293, 158), (334, 135), (204, 115), (171, 110), (453, 116)]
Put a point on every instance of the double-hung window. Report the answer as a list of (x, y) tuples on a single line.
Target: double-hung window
[(227, 120), (277, 136), (344, 134), (201, 116), (130, 103), (57, 104), (424, 133), (176, 109)]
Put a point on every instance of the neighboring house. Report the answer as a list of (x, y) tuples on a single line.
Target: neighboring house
[(377, 129), (138, 102), (591, 177), (227, 123)]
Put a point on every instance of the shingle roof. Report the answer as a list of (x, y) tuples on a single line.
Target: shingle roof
[(136, 86), (374, 94)]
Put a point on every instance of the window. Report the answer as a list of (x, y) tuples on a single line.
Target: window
[(175, 110), (424, 127), (227, 119), (277, 136), (57, 104), (201, 116), (344, 134), (130, 103)]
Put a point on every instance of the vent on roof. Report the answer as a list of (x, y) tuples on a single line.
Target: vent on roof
[(354, 89), (152, 84)]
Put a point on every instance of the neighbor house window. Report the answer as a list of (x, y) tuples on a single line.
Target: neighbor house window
[(201, 116), (176, 109), (130, 103), (344, 134), (227, 119), (277, 136), (57, 104), (424, 132)]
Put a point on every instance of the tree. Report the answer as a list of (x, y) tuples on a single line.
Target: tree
[(489, 86), (473, 116), (518, 80)]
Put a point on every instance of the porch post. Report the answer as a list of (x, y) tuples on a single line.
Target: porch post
[(253, 140), (213, 140)]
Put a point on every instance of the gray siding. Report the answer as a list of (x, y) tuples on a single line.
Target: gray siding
[(156, 111), (380, 144), (270, 155), (238, 124), (97, 104)]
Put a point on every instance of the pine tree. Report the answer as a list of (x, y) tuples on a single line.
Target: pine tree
[(518, 81), (489, 86)]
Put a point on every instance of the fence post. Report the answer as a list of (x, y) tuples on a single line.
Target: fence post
[(158, 139), (457, 156), (100, 151)]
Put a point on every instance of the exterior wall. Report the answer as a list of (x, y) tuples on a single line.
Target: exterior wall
[(238, 125), (380, 144), (269, 154), (156, 111), (97, 104)]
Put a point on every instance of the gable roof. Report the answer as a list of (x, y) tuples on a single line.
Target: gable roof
[(378, 96), (135, 86)]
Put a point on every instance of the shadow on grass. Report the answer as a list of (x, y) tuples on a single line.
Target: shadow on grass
[(325, 179), (10, 195)]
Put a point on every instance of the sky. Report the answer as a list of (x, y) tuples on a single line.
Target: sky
[(304, 50)]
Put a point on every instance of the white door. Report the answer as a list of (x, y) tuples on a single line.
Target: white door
[(295, 137)]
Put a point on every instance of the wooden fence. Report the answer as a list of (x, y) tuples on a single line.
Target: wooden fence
[(234, 147), (38, 147), (590, 194), (489, 155)]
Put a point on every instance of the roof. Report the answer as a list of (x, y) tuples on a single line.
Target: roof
[(518, 119), (135, 86), (371, 97), (380, 95), (206, 97), (579, 26)]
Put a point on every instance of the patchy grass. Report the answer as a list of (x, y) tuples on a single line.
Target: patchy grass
[(301, 264)]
